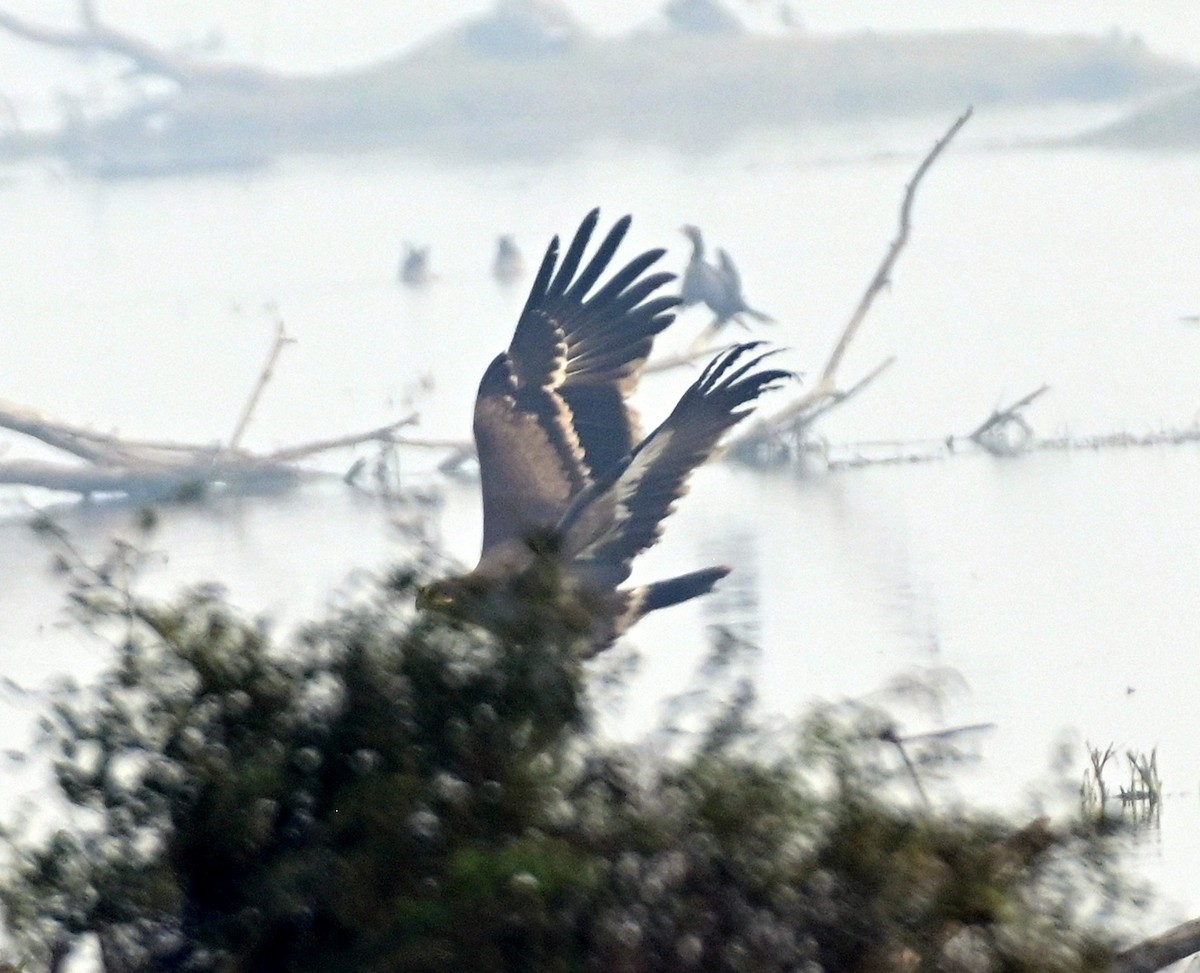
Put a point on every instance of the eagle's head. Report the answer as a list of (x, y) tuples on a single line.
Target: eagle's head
[(495, 603), (449, 596), (539, 602)]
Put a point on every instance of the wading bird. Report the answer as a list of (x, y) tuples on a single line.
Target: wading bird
[(414, 266), (508, 264), (566, 478), (719, 286)]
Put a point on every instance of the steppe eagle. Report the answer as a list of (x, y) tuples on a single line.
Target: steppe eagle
[(564, 470)]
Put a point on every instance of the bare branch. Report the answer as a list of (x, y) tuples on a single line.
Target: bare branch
[(884, 274), (386, 434), (1160, 951), (826, 386), (136, 480), (70, 439), (281, 341), (1006, 414), (805, 412), (1006, 432), (153, 60)]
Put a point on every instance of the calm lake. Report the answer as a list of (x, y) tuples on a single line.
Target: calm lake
[(1059, 587)]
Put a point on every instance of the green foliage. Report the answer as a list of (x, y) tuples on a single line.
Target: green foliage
[(387, 792)]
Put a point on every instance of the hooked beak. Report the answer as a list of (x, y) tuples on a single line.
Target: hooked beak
[(432, 600)]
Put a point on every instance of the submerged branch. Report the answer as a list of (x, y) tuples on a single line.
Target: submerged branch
[(1006, 431)]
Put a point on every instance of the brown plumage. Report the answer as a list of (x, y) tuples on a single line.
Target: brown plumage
[(565, 473)]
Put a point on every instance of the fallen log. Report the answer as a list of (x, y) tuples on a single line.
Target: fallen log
[(147, 482), (157, 470)]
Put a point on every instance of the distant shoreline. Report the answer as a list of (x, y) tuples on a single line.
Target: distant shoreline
[(690, 92)]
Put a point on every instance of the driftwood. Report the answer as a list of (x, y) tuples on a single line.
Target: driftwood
[(154, 471), (1006, 432), (150, 470), (92, 35), (789, 426)]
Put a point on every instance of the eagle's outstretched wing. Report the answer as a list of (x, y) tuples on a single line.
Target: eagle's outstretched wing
[(551, 410), (621, 513)]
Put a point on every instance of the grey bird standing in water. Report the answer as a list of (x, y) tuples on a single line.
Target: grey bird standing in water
[(414, 267), (719, 286), (509, 264)]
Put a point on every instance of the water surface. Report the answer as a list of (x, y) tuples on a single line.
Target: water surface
[(1060, 586)]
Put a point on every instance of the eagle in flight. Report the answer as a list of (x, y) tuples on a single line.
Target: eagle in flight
[(564, 470)]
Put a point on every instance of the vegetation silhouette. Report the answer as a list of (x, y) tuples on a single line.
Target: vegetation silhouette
[(389, 791)]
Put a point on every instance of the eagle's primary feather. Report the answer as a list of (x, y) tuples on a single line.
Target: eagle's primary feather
[(564, 471)]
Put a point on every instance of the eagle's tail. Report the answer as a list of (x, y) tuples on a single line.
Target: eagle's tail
[(663, 594), (630, 604)]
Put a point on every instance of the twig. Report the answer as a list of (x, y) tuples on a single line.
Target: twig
[(883, 275), (839, 397), (454, 444), (889, 735), (281, 340), (451, 463), (1006, 432), (826, 386), (382, 434)]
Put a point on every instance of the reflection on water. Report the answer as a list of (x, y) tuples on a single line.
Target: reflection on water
[(1061, 586)]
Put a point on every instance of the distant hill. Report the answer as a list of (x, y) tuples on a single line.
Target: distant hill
[(1170, 123), (694, 89), (528, 78)]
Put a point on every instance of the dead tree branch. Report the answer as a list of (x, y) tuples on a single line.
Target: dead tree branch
[(1006, 432), (824, 394), (92, 35), (1160, 951), (268, 371), (152, 469), (384, 434)]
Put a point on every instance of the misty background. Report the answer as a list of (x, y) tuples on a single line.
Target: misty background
[(1059, 585)]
